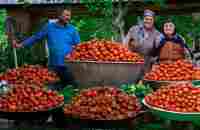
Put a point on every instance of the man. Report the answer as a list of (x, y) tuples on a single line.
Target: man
[(61, 37), (144, 38)]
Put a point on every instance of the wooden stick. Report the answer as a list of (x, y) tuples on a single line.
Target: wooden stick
[(15, 57)]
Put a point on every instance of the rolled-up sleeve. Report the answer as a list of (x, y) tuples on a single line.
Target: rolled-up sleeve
[(158, 39), (36, 37), (129, 35), (132, 37)]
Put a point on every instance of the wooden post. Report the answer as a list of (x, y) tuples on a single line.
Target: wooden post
[(10, 31)]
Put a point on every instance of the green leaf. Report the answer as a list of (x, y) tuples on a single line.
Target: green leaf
[(196, 83)]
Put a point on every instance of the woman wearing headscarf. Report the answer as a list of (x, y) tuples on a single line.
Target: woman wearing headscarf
[(172, 46), (144, 38)]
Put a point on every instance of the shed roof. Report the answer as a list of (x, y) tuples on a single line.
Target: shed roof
[(136, 7)]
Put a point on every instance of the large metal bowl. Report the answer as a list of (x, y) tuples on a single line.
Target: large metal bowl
[(36, 115), (171, 115), (89, 73), (155, 84), (103, 124)]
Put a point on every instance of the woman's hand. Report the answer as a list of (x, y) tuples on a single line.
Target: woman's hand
[(126, 45), (16, 45)]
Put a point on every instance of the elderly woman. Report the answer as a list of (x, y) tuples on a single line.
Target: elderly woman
[(144, 38), (172, 46)]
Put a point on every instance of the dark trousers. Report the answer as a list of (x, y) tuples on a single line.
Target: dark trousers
[(65, 75)]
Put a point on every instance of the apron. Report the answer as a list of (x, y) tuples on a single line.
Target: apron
[(171, 52)]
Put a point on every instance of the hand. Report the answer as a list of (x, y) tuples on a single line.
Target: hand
[(126, 45), (68, 56), (74, 46), (16, 45), (131, 44)]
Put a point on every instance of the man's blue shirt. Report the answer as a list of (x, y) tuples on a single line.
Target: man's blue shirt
[(60, 40)]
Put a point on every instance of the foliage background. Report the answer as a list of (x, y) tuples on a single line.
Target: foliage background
[(97, 24), (94, 26), (4, 46)]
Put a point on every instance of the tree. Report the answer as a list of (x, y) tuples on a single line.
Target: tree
[(5, 48), (120, 15), (98, 23)]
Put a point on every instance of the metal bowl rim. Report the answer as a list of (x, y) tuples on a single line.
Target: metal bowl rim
[(163, 110), (102, 62), (166, 81)]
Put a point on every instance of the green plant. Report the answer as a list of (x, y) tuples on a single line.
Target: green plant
[(93, 27), (99, 23), (139, 90), (68, 92), (161, 3), (5, 48)]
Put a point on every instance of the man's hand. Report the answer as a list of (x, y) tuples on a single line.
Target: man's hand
[(16, 45), (68, 56)]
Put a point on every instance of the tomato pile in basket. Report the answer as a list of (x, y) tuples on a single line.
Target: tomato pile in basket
[(176, 71), (182, 97), (29, 99), (29, 74), (103, 50), (103, 103)]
